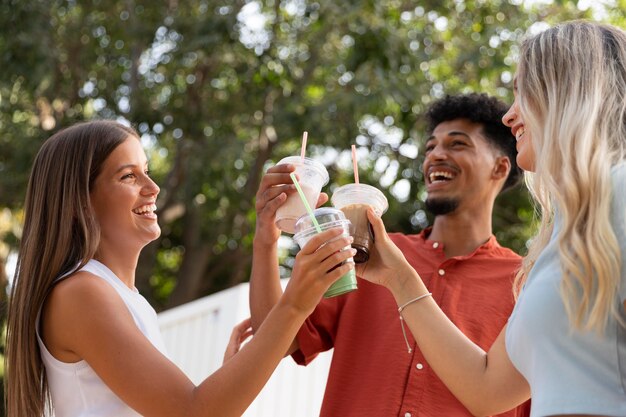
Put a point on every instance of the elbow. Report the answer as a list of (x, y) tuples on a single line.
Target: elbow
[(481, 409), (475, 411)]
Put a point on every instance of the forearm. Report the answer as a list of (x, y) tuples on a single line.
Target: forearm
[(486, 383), (231, 389), (265, 288)]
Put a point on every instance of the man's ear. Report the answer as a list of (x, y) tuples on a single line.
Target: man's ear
[(501, 168)]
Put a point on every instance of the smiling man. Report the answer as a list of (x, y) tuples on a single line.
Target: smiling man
[(469, 160)]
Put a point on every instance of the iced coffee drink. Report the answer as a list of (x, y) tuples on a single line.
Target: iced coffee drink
[(354, 200), (357, 214)]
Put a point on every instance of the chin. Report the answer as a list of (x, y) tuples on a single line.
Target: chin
[(525, 164), (152, 235), (441, 206)]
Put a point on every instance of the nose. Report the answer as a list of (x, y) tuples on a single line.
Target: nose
[(509, 117), (437, 152), (150, 187)]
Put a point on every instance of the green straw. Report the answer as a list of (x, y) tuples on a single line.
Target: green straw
[(306, 203)]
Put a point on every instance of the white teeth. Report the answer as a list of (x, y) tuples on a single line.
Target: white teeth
[(148, 208), (438, 175), (520, 132)]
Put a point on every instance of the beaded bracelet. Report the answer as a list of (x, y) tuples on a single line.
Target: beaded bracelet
[(402, 319)]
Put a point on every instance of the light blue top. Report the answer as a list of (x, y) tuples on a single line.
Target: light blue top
[(570, 371)]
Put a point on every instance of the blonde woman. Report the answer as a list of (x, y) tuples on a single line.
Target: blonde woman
[(565, 342), (81, 340)]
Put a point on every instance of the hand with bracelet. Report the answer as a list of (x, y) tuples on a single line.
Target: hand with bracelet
[(388, 267)]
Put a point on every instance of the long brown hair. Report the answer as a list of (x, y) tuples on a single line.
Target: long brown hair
[(60, 235)]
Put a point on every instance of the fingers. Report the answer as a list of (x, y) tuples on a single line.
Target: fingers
[(282, 169), (319, 239), (239, 334), (245, 335), (243, 325), (273, 197), (321, 200), (274, 183), (277, 175), (337, 258), (337, 273), (377, 224), (328, 255)]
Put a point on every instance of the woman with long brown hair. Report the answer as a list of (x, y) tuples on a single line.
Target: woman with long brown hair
[(81, 340)]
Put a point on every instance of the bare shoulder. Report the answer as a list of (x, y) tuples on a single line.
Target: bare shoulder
[(83, 292), (82, 305)]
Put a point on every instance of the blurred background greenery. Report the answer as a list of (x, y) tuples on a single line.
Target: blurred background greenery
[(220, 90)]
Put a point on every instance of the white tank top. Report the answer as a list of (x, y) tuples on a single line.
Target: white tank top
[(76, 390)]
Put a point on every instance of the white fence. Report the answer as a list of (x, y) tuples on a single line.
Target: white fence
[(196, 335)]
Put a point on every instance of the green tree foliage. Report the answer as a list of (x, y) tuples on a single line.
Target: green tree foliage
[(220, 90)]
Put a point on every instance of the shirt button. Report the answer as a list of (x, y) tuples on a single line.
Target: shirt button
[(436, 245), (419, 366), (407, 414), (442, 272)]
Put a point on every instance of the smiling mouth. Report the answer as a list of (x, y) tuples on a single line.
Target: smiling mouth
[(146, 210), (440, 176), (520, 132)]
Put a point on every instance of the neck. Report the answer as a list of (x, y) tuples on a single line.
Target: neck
[(463, 231), (122, 264)]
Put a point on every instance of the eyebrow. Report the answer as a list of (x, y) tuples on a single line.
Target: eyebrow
[(126, 166), (450, 133)]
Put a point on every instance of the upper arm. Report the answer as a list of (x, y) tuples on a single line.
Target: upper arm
[(87, 317)]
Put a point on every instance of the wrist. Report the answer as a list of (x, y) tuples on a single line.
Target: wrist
[(407, 285), (264, 242), (291, 310)]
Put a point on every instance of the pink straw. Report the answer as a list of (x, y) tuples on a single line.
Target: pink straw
[(303, 149), (355, 166)]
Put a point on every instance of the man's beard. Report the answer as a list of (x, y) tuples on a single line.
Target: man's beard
[(441, 206)]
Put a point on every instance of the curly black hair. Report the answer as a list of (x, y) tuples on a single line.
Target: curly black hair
[(482, 109)]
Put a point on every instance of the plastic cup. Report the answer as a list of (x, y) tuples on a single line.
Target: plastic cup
[(328, 218), (353, 200), (312, 176)]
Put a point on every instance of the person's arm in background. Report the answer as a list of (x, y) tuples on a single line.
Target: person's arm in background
[(265, 287), (241, 332)]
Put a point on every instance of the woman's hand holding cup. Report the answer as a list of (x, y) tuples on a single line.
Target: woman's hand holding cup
[(318, 264), (387, 265)]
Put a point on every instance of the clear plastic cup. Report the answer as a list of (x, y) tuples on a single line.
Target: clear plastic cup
[(353, 200), (327, 218), (312, 176)]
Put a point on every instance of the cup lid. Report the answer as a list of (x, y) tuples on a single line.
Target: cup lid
[(323, 215), (310, 163), (360, 194)]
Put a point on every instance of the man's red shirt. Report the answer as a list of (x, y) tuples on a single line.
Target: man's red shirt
[(372, 374)]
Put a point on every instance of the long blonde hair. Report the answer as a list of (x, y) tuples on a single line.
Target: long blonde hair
[(60, 234), (572, 91)]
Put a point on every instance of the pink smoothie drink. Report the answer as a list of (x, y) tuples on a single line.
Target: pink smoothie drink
[(312, 176)]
